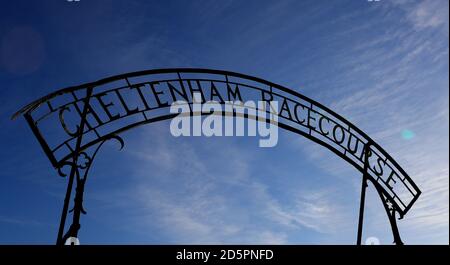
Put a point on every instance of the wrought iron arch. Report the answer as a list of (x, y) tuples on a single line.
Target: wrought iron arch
[(88, 115)]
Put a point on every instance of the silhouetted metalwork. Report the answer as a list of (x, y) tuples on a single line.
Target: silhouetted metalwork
[(73, 123)]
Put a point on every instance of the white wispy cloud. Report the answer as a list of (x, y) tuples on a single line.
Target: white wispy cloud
[(313, 210), (192, 197), (406, 95), (21, 221), (429, 13)]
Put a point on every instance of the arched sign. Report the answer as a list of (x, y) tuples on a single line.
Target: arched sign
[(71, 125)]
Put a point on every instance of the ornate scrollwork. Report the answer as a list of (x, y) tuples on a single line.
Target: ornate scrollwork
[(80, 170)]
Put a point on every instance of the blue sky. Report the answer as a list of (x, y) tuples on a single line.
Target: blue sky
[(382, 65)]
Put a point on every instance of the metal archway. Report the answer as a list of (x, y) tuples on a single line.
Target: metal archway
[(72, 124)]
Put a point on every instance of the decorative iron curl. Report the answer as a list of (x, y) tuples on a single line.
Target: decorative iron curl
[(81, 177), (89, 159)]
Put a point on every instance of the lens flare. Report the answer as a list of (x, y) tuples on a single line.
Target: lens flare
[(407, 134)]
